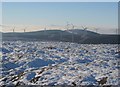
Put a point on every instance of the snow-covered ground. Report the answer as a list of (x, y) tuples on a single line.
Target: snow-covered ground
[(58, 63)]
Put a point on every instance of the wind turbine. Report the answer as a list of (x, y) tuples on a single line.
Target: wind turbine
[(84, 34), (96, 29), (45, 31), (84, 28), (61, 35), (25, 29), (67, 25), (116, 31), (45, 28), (72, 32), (13, 29), (73, 26)]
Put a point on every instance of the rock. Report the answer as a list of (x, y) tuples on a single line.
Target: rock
[(102, 81), (20, 84)]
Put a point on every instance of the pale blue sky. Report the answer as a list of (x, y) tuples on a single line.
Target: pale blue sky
[(60, 0), (97, 14)]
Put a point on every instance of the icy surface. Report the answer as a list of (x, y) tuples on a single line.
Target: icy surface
[(58, 63)]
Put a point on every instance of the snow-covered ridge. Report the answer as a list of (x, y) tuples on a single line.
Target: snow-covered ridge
[(58, 63)]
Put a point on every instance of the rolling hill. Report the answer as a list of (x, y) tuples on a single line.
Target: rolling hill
[(76, 35)]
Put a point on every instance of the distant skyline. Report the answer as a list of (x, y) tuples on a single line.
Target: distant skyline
[(102, 15)]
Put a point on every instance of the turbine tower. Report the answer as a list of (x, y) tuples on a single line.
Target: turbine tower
[(67, 25), (13, 29), (84, 34), (61, 35), (25, 29), (73, 26), (96, 29), (116, 31), (45, 31), (72, 32)]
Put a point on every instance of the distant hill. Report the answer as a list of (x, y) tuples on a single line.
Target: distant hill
[(76, 35), (80, 31)]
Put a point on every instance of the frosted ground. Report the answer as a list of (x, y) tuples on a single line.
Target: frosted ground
[(58, 63)]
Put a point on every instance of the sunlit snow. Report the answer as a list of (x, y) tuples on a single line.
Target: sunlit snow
[(58, 63)]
